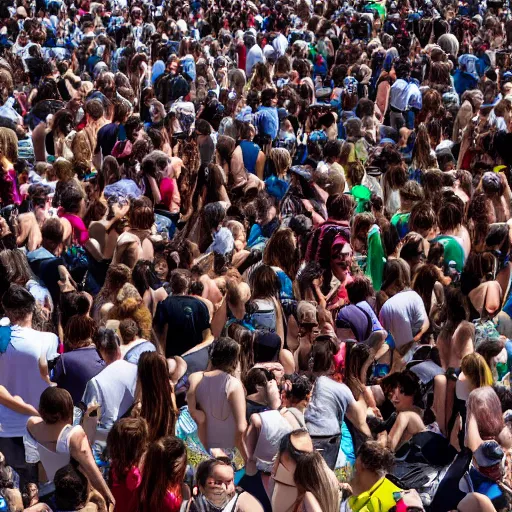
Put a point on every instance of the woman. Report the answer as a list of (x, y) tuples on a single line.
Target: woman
[(9, 191), (280, 163), (317, 485), (254, 159), (413, 251), (216, 399), (117, 277), (266, 311), (148, 285), (163, 473), (57, 441), (330, 402), (157, 400), (262, 391), (80, 361)]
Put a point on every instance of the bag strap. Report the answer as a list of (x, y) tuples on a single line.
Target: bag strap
[(5, 337)]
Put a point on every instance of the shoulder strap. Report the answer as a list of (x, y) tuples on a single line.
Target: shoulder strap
[(370, 322), (5, 337)]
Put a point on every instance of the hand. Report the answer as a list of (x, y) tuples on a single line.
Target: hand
[(91, 408)]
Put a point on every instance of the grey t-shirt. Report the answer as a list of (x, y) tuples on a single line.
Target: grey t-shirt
[(329, 403)]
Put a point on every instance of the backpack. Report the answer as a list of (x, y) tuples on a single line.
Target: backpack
[(343, 323)]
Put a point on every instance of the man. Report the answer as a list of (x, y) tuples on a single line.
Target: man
[(267, 118), (404, 97), (22, 349), (254, 53), (181, 319), (280, 43), (45, 260), (114, 387)]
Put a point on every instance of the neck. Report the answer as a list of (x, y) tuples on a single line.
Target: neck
[(25, 322), (364, 481)]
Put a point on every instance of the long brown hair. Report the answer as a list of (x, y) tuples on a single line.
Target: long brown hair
[(157, 396), (164, 470), (127, 442), (311, 475), (281, 251)]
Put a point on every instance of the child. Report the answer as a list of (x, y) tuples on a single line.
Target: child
[(127, 442)]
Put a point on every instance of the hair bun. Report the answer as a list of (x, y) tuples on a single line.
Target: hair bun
[(82, 304)]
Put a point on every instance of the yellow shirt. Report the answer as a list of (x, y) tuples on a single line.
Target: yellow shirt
[(378, 499)]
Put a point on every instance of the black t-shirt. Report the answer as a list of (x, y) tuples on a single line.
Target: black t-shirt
[(107, 138), (186, 318)]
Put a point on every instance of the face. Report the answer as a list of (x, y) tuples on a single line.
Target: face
[(161, 268), (400, 401), (219, 487), (341, 262)]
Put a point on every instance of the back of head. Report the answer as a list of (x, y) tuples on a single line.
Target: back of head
[(223, 354), (18, 303), (71, 488), (55, 405), (376, 458), (340, 206), (476, 370), (484, 404), (107, 342)]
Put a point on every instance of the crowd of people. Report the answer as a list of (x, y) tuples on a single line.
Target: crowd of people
[(255, 257)]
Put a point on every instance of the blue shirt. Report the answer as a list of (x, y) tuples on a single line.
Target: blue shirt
[(268, 121), (254, 55), (405, 95)]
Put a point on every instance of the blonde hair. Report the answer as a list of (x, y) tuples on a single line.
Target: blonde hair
[(281, 159), (476, 370), (63, 169)]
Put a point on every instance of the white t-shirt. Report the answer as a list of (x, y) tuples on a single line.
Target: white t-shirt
[(114, 389), (403, 315), (19, 373)]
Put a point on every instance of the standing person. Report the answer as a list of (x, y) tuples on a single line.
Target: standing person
[(330, 402), (182, 320), (21, 347), (57, 441), (163, 473), (216, 399), (114, 387), (127, 443)]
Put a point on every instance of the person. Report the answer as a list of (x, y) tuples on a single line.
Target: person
[(157, 401), (181, 319), (114, 387), (370, 487), (162, 486), (21, 345), (57, 441), (133, 346), (216, 399), (127, 442), (215, 481), (330, 402)]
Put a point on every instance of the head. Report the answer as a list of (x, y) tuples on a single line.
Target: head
[(179, 282), (372, 459), (224, 354), (80, 329), (127, 442), (423, 219), (358, 357), (214, 215), (56, 405), (141, 214), (476, 370), (215, 479), (264, 283), (157, 405), (71, 488), (359, 289), (340, 207), (282, 251), (484, 404), (107, 343), (405, 390), (165, 466), (322, 355), (413, 250), (19, 304), (72, 199)]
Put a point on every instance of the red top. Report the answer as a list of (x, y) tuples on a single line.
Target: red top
[(125, 492)]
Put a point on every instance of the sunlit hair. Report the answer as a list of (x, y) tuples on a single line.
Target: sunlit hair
[(476, 370), (484, 404)]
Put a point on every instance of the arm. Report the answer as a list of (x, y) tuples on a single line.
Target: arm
[(236, 398), (260, 165), (473, 439), (16, 403), (423, 330), (357, 416), (397, 431), (493, 298), (154, 189), (197, 415), (273, 396), (80, 450), (93, 250)]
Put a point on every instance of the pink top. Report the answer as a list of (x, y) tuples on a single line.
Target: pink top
[(125, 492), (12, 177), (80, 232), (167, 191), (172, 502)]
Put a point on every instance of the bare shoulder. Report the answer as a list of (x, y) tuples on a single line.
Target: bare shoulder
[(248, 503)]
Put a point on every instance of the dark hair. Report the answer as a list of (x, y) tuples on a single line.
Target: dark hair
[(213, 215), (340, 206), (281, 251), (205, 469), (129, 329), (157, 406), (70, 197), (165, 466), (450, 216), (55, 404), (256, 377), (375, 457), (359, 289), (264, 283), (141, 215), (322, 354), (144, 276), (79, 329), (18, 303), (301, 388), (52, 233), (224, 354), (179, 282), (107, 341), (422, 218), (127, 442), (71, 488)]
